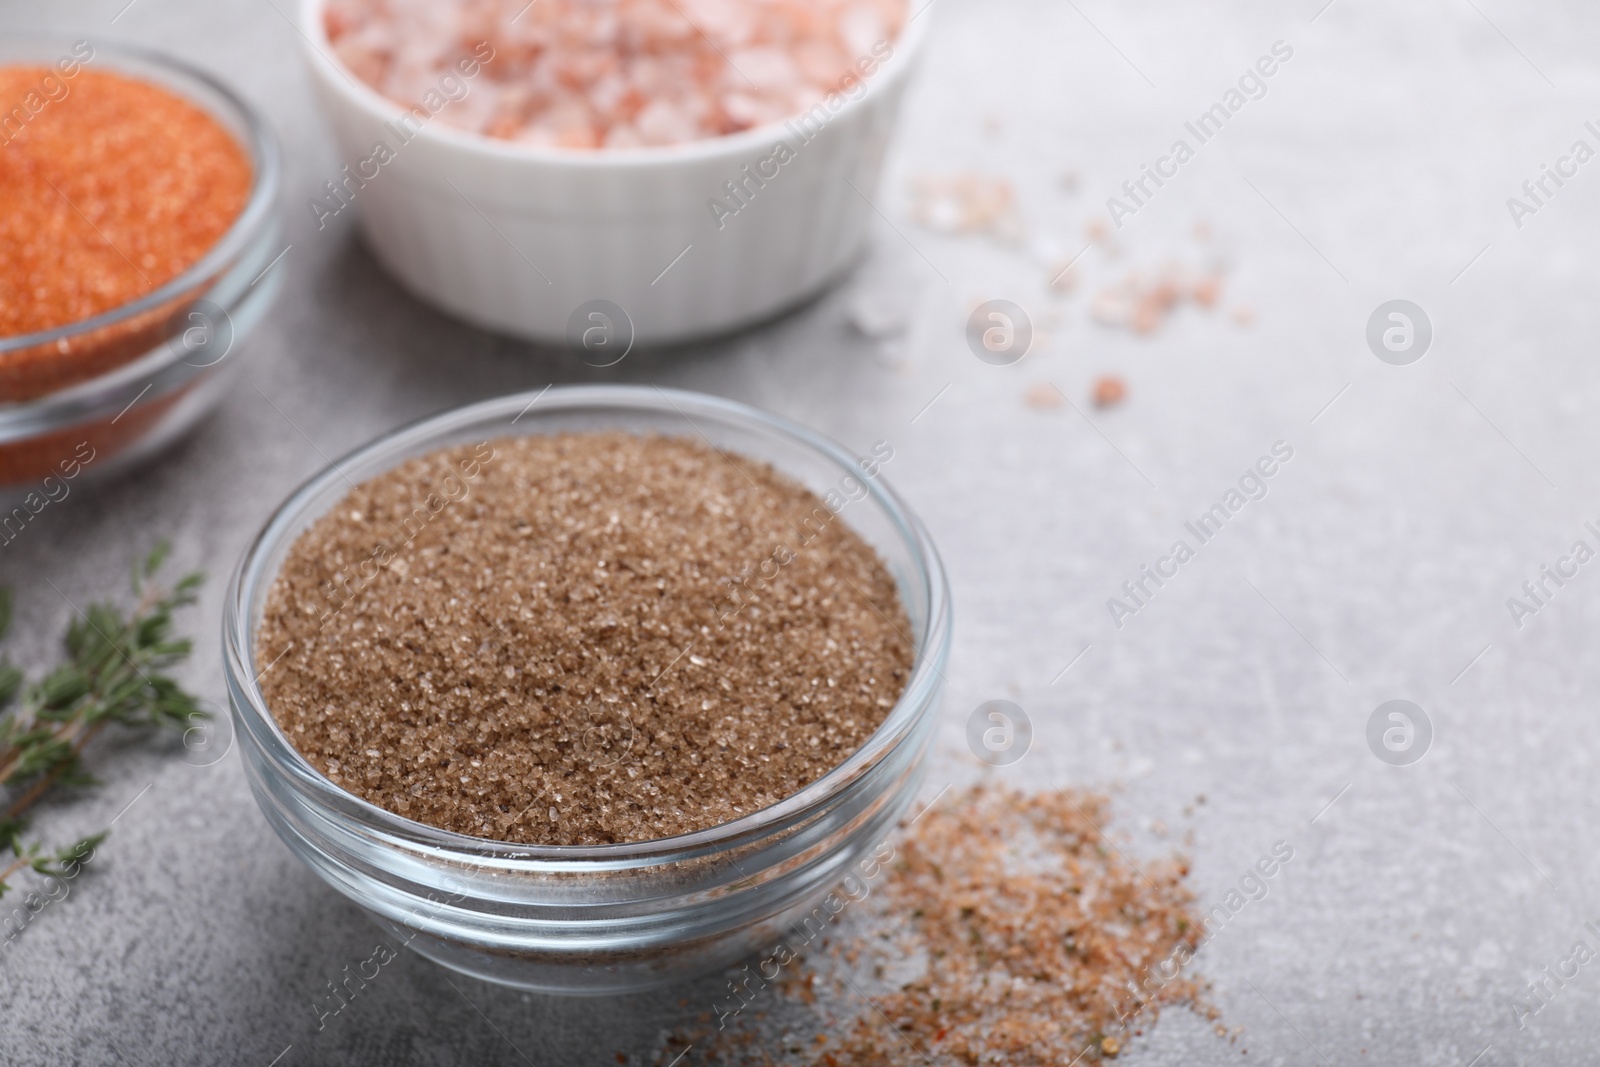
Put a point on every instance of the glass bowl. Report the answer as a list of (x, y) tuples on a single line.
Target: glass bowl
[(135, 377), (606, 918)]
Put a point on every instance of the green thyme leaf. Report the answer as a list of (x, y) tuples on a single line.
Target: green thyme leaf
[(115, 672)]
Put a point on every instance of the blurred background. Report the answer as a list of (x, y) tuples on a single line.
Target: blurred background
[(1228, 712)]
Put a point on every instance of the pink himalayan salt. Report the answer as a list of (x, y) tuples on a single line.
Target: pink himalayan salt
[(614, 73)]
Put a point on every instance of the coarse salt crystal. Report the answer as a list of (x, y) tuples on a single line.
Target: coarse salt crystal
[(613, 73)]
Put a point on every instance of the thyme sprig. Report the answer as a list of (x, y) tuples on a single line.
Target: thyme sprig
[(114, 673)]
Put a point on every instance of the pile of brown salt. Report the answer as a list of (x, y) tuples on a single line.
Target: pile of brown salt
[(544, 639), (1044, 944), (1008, 929)]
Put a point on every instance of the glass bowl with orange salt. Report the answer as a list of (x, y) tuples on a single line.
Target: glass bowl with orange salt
[(138, 220), (600, 172)]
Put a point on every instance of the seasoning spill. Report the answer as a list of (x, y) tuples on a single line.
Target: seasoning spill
[(1042, 942), (1009, 929), (581, 638)]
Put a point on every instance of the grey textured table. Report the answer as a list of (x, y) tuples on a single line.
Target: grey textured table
[(1418, 905)]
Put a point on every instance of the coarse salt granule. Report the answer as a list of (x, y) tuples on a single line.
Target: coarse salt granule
[(615, 73)]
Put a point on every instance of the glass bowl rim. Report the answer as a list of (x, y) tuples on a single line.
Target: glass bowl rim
[(907, 43), (266, 182), (253, 716)]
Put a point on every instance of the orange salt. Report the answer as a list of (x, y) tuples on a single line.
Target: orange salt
[(106, 194)]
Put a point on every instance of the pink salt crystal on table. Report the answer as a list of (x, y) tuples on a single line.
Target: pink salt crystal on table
[(615, 73), (1042, 396), (965, 203)]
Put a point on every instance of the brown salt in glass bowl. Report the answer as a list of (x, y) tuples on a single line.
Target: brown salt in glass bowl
[(132, 379), (592, 919)]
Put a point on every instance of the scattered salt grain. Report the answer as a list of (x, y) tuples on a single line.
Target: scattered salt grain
[(1109, 391), (883, 297), (1064, 278), (1042, 396), (966, 203), (1142, 304)]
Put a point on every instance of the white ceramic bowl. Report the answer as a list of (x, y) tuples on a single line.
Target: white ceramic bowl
[(526, 240)]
